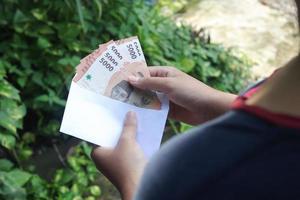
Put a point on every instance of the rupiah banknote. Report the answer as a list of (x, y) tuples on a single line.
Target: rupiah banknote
[(106, 71)]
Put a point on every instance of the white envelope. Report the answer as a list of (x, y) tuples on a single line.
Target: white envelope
[(99, 119)]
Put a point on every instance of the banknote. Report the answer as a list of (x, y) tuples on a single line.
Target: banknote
[(98, 71), (106, 71), (133, 64), (87, 61)]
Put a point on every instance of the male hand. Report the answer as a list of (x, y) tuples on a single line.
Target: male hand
[(124, 164), (192, 101)]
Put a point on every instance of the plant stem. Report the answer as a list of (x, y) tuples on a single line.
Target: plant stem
[(15, 155)]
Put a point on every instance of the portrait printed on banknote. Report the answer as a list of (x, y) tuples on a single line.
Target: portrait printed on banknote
[(120, 89)]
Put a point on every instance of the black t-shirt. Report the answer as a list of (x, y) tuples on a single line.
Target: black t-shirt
[(237, 156)]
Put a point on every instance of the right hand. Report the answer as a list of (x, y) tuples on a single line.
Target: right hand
[(192, 101)]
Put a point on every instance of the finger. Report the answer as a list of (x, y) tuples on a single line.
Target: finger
[(130, 126), (161, 71), (151, 83)]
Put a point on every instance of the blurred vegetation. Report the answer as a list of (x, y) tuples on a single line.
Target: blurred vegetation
[(41, 43)]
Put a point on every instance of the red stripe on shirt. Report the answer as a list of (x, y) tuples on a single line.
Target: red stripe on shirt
[(275, 118)]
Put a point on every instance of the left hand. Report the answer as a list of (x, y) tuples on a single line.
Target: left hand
[(124, 164), (191, 101)]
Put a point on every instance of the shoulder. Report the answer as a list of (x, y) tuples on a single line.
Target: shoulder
[(192, 162)]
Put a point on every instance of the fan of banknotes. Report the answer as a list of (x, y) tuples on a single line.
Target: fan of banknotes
[(106, 70)]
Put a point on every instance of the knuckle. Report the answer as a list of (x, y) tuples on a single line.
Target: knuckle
[(173, 71), (128, 129)]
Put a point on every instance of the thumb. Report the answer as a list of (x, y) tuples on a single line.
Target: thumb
[(161, 84), (130, 127), (99, 154)]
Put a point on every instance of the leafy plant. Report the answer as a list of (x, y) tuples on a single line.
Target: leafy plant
[(76, 181), (43, 41), (12, 111), (170, 7), (16, 184)]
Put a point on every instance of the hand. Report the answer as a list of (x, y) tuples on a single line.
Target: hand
[(192, 101), (124, 164)]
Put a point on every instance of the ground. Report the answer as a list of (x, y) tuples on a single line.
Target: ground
[(265, 30)]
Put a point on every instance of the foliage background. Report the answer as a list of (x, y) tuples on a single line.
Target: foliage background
[(41, 43)]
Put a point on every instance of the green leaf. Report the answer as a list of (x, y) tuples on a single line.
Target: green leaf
[(58, 101), (82, 178), (43, 43), (75, 188), (5, 165), (17, 112), (74, 164), (63, 189), (95, 190), (22, 81), (68, 32), (63, 177), (7, 90), (86, 149), (38, 187), (11, 115), (20, 17), (42, 98), (187, 65), (39, 14), (37, 78), (73, 61), (46, 30), (212, 72), (185, 127), (20, 177), (24, 153), (9, 189), (8, 141), (77, 197), (53, 79), (7, 123), (68, 175)]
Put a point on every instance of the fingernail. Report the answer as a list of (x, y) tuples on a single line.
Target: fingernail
[(133, 79)]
